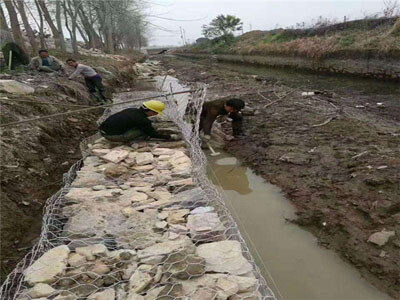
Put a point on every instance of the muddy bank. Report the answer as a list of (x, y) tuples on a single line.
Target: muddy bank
[(337, 163), (35, 155), (385, 68)]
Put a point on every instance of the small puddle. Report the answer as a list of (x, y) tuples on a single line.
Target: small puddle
[(299, 267)]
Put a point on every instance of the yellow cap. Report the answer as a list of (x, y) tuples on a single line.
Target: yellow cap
[(154, 105)]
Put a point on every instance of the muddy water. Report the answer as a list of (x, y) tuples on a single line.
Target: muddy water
[(313, 80), (299, 267)]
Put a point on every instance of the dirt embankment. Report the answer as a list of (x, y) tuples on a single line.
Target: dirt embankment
[(338, 164), (35, 155), (367, 48)]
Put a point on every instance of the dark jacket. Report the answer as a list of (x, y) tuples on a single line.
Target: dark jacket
[(213, 109), (130, 118)]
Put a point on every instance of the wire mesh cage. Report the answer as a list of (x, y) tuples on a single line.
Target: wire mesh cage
[(140, 221)]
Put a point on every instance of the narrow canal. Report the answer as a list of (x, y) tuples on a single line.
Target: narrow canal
[(298, 266)]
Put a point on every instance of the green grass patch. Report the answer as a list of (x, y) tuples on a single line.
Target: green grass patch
[(347, 40), (280, 37)]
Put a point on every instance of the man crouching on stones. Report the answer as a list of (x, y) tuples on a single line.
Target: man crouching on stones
[(211, 110), (132, 124)]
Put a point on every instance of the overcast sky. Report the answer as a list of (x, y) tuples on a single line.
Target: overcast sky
[(255, 14)]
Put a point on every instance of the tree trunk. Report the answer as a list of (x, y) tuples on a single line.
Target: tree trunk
[(109, 31), (54, 30), (41, 27), (72, 12), (3, 21), (94, 39), (82, 33), (59, 26), (16, 30), (28, 28), (66, 20)]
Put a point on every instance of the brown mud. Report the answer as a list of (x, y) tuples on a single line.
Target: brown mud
[(34, 156), (338, 162)]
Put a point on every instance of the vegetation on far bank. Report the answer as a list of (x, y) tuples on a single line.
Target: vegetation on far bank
[(370, 37)]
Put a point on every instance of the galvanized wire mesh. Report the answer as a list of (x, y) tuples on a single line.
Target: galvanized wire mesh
[(140, 222)]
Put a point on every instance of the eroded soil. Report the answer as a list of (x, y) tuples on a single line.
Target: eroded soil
[(339, 164), (34, 156)]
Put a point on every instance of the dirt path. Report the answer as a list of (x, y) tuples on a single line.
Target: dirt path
[(338, 164)]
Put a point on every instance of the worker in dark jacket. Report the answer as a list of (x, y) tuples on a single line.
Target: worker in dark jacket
[(211, 110), (133, 124)]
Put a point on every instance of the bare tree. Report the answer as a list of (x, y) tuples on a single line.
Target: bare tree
[(71, 7), (16, 30), (59, 26), (391, 8), (109, 28), (88, 22), (28, 28), (56, 34), (41, 26), (3, 21)]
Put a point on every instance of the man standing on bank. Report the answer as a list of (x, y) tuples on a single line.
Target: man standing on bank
[(211, 110), (93, 80), (132, 124)]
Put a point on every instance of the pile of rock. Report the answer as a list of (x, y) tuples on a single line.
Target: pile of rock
[(138, 227)]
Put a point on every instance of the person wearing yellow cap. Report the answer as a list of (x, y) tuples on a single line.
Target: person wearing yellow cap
[(132, 124)]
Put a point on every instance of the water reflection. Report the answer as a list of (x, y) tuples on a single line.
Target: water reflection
[(301, 270), (231, 176)]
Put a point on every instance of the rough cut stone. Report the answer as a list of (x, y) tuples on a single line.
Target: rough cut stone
[(161, 225), (224, 257), (48, 266), (139, 281), (108, 294), (202, 210), (160, 195), (99, 188), (163, 151), (177, 216), (166, 248), (100, 152), (381, 238), (182, 265), (116, 155), (80, 195), (133, 196), (178, 228), (76, 260), (195, 195), (140, 184), (92, 251), (144, 158), (15, 87), (134, 296), (115, 170), (41, 290), (181, 182), (206, 227), (89, 179), (66, 296), (226, 288), (144, 169)]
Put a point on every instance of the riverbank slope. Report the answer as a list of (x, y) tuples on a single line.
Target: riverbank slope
[(336, 158)]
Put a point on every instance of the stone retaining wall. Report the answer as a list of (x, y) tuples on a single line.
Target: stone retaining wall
[(370, 68), (139, 228)]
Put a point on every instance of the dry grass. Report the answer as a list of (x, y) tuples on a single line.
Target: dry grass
[(382, 41)]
